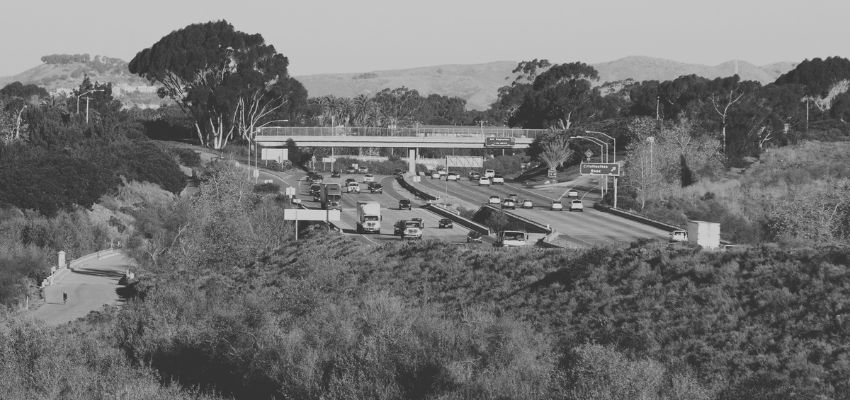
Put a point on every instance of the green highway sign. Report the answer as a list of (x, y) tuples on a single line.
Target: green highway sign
[(611, 169), (498, 142)]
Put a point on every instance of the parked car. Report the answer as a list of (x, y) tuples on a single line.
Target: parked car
[(498, 180), (527, 204), (452, 177), (576, 205), (474, 175), (494, 200), (483, 181), (572, 193), (509, 204), (368, 178), (375, 187), (473, 237), (405, 204), (490, 173), (557, 206), (446, 223)]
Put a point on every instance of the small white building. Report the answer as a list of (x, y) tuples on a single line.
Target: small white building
[(705, 234)]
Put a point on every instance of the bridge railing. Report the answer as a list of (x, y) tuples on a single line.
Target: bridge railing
[(459, 131)]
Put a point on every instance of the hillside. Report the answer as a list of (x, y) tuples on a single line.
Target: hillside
[(476, 83), (479, 83)]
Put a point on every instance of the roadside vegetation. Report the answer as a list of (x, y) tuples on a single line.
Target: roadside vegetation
[(226, 304)]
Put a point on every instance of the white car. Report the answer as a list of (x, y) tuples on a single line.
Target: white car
[(435, 175), (572, 193), (508, 203), (452, 177), (489, 173), (527, 204), (353, 187), (679, 236), (498, 180), (482, 181), (494, 200), (296, 200), (576, 205), (442, 172), (557, 206), (368, 178)]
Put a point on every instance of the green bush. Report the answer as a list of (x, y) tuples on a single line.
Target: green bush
[(187, 157)]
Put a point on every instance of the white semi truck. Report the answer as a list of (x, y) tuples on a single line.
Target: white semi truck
[(368, 217)]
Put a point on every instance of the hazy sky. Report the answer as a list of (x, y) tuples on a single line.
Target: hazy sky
[(367, 35)]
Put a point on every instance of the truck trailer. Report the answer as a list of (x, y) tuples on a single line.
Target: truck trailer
[(331, 196), (368, 217), (705, 234)]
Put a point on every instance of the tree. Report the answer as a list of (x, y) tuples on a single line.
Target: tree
[(725, 93), (226, 80), (555, 150), (559, 97), (510, 97), (96, 98), (25, 92), (398, 106)]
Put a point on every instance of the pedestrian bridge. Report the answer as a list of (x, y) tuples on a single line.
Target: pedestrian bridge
[(423, 137)]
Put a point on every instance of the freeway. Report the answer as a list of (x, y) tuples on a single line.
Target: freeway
[(390, 213), (590, 227)]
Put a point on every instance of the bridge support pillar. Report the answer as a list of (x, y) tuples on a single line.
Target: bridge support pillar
[(411, 160)]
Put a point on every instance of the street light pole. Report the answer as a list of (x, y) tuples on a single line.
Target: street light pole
[(87, 102), (615, 161), (603, 157)]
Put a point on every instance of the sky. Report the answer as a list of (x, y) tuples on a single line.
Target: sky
[(334, 36)]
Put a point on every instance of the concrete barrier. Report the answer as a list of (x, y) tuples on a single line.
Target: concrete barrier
[(636, 217), (529, 225), (484, 230), (412, 189)]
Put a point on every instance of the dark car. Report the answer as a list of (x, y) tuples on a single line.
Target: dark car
[(473, 237), (474, 175), (446, 223), (349, 180), (399, 172), (375, 187), (335, 174), (419, 222), (404, 203)]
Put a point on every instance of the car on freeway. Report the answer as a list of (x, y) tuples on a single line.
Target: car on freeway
[(407, 229), (494, 200), (442, 172), (572, 193), (557, 206), (474, 175), (508, 203), (490, 173), (353, 187), (452, 177), (375, 187), (349, 180), (368, 178), (364, 170), (576, 205), (482, 181), (419, 222), (498, 180), (527, 204), (335, 174), (436, 175), (679, 235), (351, 171), (473, 237), (405, 204), (446, 223), (514, 197), (295, 200)]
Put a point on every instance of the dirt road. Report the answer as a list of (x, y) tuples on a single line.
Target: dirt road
[(90, 284)]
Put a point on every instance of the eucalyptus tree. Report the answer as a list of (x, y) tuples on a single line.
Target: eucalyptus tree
[(227, 81)]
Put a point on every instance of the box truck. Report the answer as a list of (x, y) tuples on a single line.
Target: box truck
[(368, 217), (331, 196)]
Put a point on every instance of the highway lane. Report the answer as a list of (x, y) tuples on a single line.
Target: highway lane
[(390, 213), (589, 227)]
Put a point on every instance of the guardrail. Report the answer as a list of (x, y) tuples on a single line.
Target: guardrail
[(378, 131), (412, 189), (484, 230), (635, 217)]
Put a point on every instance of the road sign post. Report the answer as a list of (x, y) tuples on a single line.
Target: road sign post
[(498, 142), (604, 169)]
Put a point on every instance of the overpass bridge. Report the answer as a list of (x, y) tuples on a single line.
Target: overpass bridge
[(413, 139)]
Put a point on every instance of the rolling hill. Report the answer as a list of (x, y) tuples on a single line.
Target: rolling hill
[(478, 84)]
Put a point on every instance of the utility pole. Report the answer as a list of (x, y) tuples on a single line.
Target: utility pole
[(657, 104)]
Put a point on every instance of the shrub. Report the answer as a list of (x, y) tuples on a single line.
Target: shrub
[(187, 157)]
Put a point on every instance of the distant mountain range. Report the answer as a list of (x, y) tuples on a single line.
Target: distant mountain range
[(478, 84)]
